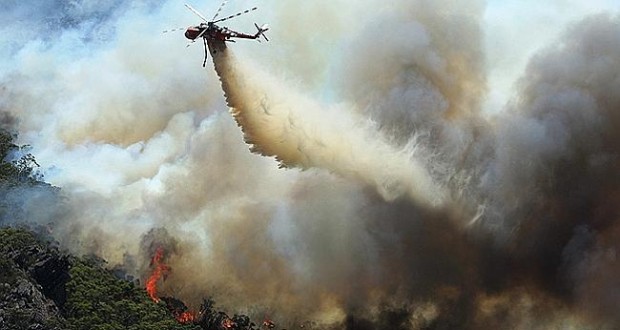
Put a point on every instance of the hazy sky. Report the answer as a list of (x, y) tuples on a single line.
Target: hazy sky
[(516, 29)]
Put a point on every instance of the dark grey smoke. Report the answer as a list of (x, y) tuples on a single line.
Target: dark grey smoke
[(565, 126), (8, 122), (544, 254)]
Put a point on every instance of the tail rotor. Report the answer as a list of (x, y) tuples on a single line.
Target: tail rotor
[(261, 31)]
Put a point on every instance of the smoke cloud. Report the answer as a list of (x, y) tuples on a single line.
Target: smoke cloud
[(298, 132), (440, 169)]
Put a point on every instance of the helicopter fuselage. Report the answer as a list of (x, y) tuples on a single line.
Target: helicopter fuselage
[(208, 31), (214, 32)]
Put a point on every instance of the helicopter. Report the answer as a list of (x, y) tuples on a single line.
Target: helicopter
[(210, 31)]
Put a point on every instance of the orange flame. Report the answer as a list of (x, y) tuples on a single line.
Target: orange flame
[(186, 317), (267, 323), (159, 270), (228, 323)]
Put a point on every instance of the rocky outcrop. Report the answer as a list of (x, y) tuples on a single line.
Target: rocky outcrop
[(24, 306), (32, 283), (48, 268)]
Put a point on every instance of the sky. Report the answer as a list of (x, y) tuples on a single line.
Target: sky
[(515, 30)]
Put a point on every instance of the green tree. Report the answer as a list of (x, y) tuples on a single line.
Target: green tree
[(22, 189), (98, 300), (17, 165)]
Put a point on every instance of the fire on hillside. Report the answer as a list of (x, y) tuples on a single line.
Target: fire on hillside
[(207, 317)]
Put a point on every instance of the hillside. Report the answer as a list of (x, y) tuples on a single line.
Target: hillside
[(43, 288)]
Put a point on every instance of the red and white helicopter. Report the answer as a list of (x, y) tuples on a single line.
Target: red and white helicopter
[(209, 30)]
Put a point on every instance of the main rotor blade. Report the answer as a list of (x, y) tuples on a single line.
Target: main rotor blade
[(220, 9), (202, 33), (173, 30), (235, 15), (196, 12)]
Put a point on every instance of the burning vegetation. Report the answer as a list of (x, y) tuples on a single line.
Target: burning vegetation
[(207, 317), (159, 271)]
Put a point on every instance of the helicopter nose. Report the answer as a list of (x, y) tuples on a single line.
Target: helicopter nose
[(192, 33)]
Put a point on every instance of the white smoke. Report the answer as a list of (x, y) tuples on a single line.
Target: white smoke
[(280, 122)]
